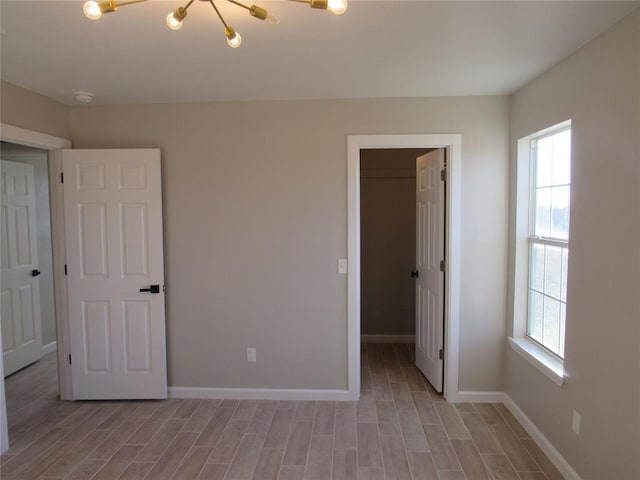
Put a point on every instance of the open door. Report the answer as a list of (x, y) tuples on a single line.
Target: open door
[(20, 294), (115, 272), (430, 258)]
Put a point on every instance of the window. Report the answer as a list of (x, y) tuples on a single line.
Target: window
[(542, 248), (549, 238)]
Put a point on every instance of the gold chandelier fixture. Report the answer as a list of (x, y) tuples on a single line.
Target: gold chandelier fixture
[(94, 10)]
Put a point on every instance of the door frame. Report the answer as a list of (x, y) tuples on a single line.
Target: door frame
[(453, 145), (53, 145)]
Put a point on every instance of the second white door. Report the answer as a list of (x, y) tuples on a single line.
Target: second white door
[(113, 231), (430, 256), (19, 297)]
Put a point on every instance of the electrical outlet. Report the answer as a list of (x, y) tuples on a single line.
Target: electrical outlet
[(251, 354), (576, 422), (342, 266)]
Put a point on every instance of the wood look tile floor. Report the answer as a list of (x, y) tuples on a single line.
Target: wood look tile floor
[(400, 429)]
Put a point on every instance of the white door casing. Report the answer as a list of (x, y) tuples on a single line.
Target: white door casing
[(114, 248), (20, 294), (429, 254)]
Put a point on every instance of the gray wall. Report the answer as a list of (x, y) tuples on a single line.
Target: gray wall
[(26, 109), (388, 240), (598, 87), (255, 211), (38, 159)]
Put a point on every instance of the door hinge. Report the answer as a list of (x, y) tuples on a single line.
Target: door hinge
[(65, 269), (441, 354), (61, 177), (443, 265), (443, 174), (69, 359)]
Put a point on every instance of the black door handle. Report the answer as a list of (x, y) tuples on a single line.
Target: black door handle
[(151, 289), (35, 272), (415, 274)]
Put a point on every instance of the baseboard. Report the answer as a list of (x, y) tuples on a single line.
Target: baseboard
[(49, 347), (478, 397), (258, 393), (543, 442), (387, 338)]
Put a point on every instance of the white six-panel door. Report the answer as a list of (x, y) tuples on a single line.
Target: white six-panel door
[(429, 254), (19, 294), (113, 231)]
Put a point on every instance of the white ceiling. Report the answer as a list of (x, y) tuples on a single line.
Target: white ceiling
[(377, 49)]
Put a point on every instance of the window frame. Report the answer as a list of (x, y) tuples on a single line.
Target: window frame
[(544, 359)]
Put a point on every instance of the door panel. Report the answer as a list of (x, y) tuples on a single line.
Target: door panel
[(113, 226), (93, 240), (135, 254), (429, 253), (138, 336), (20, 290)]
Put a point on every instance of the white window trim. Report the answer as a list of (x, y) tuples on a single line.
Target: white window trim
[(550, 365)]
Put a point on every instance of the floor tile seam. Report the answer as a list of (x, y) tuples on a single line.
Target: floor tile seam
[(221, 437), (36, 425), (384, 470), (533, 458), (34, 460), (290, 431), (486, 465), (184, 456), (493, 435), (333, 442), (510, 463), (459, 419), (404, 444), (281, 458), (202, 467), (255, 463), (357, 446), (519, 441)]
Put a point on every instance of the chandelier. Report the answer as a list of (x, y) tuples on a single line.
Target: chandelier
[(94, 10)]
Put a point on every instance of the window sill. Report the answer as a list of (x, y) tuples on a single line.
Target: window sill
[(536, 356)]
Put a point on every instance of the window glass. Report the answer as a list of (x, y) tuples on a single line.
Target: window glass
[(549, 249)]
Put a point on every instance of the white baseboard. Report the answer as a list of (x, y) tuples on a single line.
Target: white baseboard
[(387, 338), (478, 397), (543, 442), (49, 347), (258, 393)]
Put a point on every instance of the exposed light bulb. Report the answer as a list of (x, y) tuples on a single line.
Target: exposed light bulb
[(263, 14), (273, 18), (176, 18), (173, 23), (337, 6), (92, 10), (234, 41)]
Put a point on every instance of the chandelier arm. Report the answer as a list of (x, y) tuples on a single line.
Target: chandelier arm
[(186, 6), (219, 15), (129, 2), (321, 4)]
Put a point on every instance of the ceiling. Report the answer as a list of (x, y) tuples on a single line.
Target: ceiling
[(376, 49)]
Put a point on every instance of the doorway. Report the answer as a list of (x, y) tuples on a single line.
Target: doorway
[(452, 143), (388, 243), (51, 145), (37, 159)]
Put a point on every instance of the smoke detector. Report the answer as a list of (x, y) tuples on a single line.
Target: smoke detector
[(83, 97)]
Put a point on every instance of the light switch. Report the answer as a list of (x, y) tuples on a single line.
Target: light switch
[(251, 355), (342, 266)]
